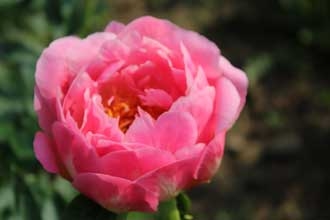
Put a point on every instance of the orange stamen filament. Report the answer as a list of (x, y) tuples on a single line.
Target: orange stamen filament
[(124, 110)]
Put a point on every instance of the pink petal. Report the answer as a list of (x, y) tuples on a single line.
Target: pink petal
[(210, 159), (116, 194), (228, 103), (123, 164), (44, 152), (79, 57), (74, 151), (237, 77), (156, 97), (190, 68), (105, 146), (114, 50), (45, 109), (189, 152), (174, 130), (165, 32), (114, 27), (167, 181), (151, 158), (74, 101), (199, 104), (132, 164), (51, 70), (201, 50), (63, 60), (141, 130), (96, 40), (96, 121)]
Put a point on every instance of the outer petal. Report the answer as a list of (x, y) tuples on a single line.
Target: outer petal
[(73, 149), (210, 159), (63, 59), (237, 77), (52, 71), (202, 51), (116, 194), (174, 130), (167, 181), (46, 110), (44, 151), (199, 104), (132, 164), (115, 27), (228, 103)]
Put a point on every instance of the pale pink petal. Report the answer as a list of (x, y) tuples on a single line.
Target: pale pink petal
[(156, 97), (141, 130), (151, 158), (199, 82), (123, 164), (132, 164), (189, 152), (190, 68), (73, 149), (114, 50), (210, 159), (114, 27), (201, 50), (116, 194), (79, 56), (96, 121), (110, 70), (165, 32), (96, 40), (227, 106), (237, 77), (169, 180), (45, 109), (104, 146), (51, 71), (154, 45), (198, 104), (44, 151), (174, 130), (75, 102)]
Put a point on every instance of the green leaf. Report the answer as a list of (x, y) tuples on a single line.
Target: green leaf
[(49, 211), (168, 211), (83, 208), (140, 216), (183, 203)]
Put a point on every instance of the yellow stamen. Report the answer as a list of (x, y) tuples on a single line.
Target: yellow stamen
[(125, 110)]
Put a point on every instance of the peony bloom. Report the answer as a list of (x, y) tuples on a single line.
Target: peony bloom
[(135, 114)]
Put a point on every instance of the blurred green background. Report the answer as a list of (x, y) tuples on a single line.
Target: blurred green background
[(276, 161)]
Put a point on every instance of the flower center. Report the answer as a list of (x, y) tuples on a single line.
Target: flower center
[(126, 109), (123, 109)]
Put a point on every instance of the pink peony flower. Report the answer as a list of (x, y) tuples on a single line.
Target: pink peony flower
[(135, 114)]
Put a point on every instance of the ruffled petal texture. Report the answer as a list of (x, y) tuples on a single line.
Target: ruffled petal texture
[(135, 114)]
